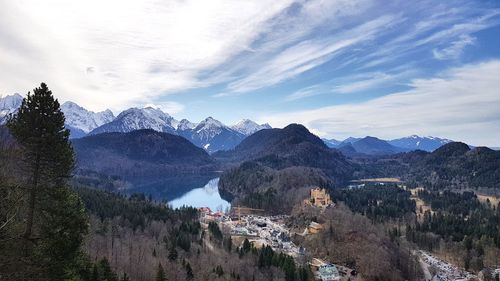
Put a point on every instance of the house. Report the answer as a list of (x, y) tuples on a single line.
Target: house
[(324, 271), (328, 272), (314, 227)]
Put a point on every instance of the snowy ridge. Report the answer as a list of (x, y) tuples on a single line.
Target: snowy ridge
[(209, 128), (185, 124), (139, 118), (414, 142), (9, 104), (409, 143), (83, 119), (248, 127)]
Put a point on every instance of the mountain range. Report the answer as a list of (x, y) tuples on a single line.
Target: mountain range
[(210, 134), (374, 146)]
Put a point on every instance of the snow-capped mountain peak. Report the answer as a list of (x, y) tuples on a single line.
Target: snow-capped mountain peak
[(185, 124), (248, 127), (417, 142), (83, 119), (9, 104), (139, 118), (210, 122)]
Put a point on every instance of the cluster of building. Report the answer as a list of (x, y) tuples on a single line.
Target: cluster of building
[(264, 230), (271, 230), (206, 215), (445, 271)]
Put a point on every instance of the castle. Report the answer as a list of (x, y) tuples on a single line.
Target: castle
[(319, 198)]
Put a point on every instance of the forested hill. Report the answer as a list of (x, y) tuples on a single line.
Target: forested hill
[(272, 141), (278, 166), (291, 146), (140, 153), (455, 165)]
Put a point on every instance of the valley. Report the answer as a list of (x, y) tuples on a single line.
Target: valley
[(236, 140), (278, 204)]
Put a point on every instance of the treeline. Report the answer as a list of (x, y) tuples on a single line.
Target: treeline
[(459, 221), (459, 215), (135, 209), (377, 202), (267, 200)]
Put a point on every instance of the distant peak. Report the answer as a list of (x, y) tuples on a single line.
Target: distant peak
[(246, 122), (70, 104), (211, 120), (11, 101), (14, 96)]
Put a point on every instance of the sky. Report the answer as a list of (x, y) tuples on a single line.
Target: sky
[(340, 67)]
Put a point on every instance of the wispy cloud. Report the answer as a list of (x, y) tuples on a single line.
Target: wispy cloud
[(136, 49), (307, 55), (307, 92), (355, 83), (455, 49), (137, 52), (461, 103)]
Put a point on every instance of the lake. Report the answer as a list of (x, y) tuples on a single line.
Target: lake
[(206, 196), (184, 190)]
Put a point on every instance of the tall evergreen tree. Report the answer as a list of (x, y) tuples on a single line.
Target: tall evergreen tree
[(125, 277), (39, 128), (160, 274), (189, 272), (54, 222), (172, 253)]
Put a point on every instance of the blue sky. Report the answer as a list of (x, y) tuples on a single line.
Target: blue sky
[(343, 68)]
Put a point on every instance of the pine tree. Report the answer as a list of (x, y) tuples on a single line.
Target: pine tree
[(54, 220), (189, 272), (39, 127), (160, 274), (172, 253)]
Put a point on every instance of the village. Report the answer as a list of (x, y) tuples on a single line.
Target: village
[(265, 230), (261, 230)]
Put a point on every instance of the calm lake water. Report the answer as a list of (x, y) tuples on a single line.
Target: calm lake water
[(206, 196), (183, 190)]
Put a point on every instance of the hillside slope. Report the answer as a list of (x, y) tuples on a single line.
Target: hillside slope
[(140, 153)]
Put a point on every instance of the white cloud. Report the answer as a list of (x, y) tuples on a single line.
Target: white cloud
[(443, 26), (355, 83), (306, 92), (460, 104), (455, 49), (135, 50), (309, 54)]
